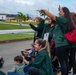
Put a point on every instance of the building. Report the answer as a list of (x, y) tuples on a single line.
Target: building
[(4, 17)]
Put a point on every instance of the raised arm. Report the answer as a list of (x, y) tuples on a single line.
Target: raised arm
[(39, 27), (53, 17), (33, 27)]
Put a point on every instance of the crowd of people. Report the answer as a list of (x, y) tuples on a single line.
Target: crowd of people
[(49, 42), (54, 32)]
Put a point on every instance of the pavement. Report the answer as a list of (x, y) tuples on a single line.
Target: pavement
[(9, 50), (15, 31), (13, 23)]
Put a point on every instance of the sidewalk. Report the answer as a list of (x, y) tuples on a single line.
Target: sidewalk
[(15, 31), (13, 23)]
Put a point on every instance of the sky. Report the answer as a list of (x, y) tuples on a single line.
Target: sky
[(31, 6)]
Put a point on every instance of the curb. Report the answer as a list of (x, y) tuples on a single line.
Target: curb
[(8, 41)]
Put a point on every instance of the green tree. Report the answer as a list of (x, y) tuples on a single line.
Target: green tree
[(20, 16)]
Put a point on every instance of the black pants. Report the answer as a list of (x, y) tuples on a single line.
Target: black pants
[(55, 63), (33, 71), (72, 59), (63, 54)]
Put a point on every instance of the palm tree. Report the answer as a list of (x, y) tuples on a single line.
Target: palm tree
[(24, 17), (20, 17)]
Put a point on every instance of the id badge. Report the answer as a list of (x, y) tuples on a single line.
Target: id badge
[(46, 35)]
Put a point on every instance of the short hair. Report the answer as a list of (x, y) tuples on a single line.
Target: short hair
[(18, 59)]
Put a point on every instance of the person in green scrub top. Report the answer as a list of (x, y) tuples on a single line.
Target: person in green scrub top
[(49, 26), (39, 29), (63, 24), (42, 64)]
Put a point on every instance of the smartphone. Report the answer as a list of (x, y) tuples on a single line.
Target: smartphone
[(22, 53), (59, 8)]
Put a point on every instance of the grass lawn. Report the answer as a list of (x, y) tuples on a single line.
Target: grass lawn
[(9, 26), (4, 37)]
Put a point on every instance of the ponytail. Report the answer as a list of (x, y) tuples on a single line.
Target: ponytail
[(44, 44), (48, 48)]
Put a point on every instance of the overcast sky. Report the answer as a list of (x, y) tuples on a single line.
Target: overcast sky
[(30, 6)]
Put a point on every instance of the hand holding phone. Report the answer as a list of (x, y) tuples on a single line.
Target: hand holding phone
[(59, 8), (22, 53)]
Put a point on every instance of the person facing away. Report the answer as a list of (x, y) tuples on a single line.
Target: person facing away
[(72, 55), (38, 30), (18, 65), (63, 23), (42, 64)]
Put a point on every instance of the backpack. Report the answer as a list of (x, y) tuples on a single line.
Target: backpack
[(1, 61)]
